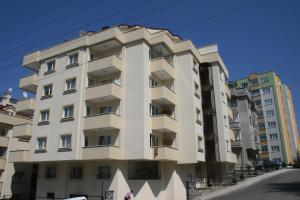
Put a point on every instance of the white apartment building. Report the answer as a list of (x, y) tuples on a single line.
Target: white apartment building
[(121, 109)]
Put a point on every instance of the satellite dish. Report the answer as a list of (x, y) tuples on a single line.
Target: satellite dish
[(25, 95), (10, 89)]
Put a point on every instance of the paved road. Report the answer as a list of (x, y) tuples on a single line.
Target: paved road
[(284, 186)]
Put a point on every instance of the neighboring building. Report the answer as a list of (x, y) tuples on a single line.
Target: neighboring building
[(123, 107), (275, 138), (15, 178), (219, 137), (244, 124)]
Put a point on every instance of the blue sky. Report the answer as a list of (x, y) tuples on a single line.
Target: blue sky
[(253, 36)]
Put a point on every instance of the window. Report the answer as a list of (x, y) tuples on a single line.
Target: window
[(264, 148), (253, 81), (260, 113), (153, 140), (3, 152), (44, 116), (264, 79), (50, 172), (143, 170), (227, 146), (197, 90), (2, 131), (261, 125), (68, 111), (48, 90), (268, 101), (277, 160), (41, 143), (105, 140), (103, 172), (244, 85), (225, 120), (106, 109), (274, 136), (200, 147), (266, 90), (152, 82), (153, 110), (263, 137), (269, 113), (50, 66), (19, 178), (71, 84), (50, 195), (161, 51), (73, 59), (258, 102), (65, 141), (198, 116), (271, 124), (255, 92), (275, 149), (195, 65), (76, 173)]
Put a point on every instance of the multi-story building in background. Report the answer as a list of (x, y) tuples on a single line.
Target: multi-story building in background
[(276, 139), (244, 124), (15, 178)]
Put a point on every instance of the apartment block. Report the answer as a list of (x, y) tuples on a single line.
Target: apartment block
[(244, 124), (125, 108), (276, 139), (15, 178)]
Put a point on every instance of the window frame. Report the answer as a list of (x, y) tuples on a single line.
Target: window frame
[(44, 144)]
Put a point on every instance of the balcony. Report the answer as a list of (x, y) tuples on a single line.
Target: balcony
[(165, 153), (2, 164), (4, 141), (101, 152), (102, 121), (162, 94), (162, 69), (164, 123), (23, 131), (235, 125), (29, 83), (106, 65), (19, 156), (26, 106), (103, 92), (237, 144)]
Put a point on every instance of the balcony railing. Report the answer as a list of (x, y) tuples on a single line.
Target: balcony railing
[(163, 94), (22, 131), (165, 153), (106, 64), (102, 120), (162, 69), (101, 152), (26, 106), (163, 122), (104, 90), (19, 156), (29, 83)]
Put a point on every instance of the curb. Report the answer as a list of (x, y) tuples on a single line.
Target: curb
[(241, 185)]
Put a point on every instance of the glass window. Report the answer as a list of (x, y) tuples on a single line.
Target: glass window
[(65, 141), (153, 140), (70, 84), (104, 172), (200, 146), (73, 58), (2, 131), (253, 81), (105, 140), (48, 90), (3, 152), (106, 109), (266, 90), (198, 115), (275, 148), (274, 136), (44, 115), (268, 101), (197, 89), (76, 173), (264, 148), (161, 51), (264, 79), (269, 113), (19, 178), (255, 92), (244, 85), (258, 102), (152, 82), (50, 172), (261, 125), (50, 66), (263, 137), (271, 124), (153, 110), (41, 143), (143, 170), (68, 111), (227, 146)]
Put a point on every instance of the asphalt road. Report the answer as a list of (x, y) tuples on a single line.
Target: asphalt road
[(284, 186)]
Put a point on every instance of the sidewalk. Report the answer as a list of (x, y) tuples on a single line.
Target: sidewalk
[(240, 185)]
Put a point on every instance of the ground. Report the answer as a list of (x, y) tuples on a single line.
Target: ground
[(284, 186)]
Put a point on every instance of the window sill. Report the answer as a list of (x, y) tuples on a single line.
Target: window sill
[(67, 119), (69, 91), (64, 149), (46, 97), (72, 65), (49, 72), (43, 123), (40, 151)]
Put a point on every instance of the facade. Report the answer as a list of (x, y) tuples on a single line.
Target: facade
[(15, 178), (244, 123), (120, 109), (219, 136), (267, 92)]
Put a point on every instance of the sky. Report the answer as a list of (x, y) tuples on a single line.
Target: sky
[(252, 35)]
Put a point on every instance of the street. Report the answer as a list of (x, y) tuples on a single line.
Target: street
[(284, 186)]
